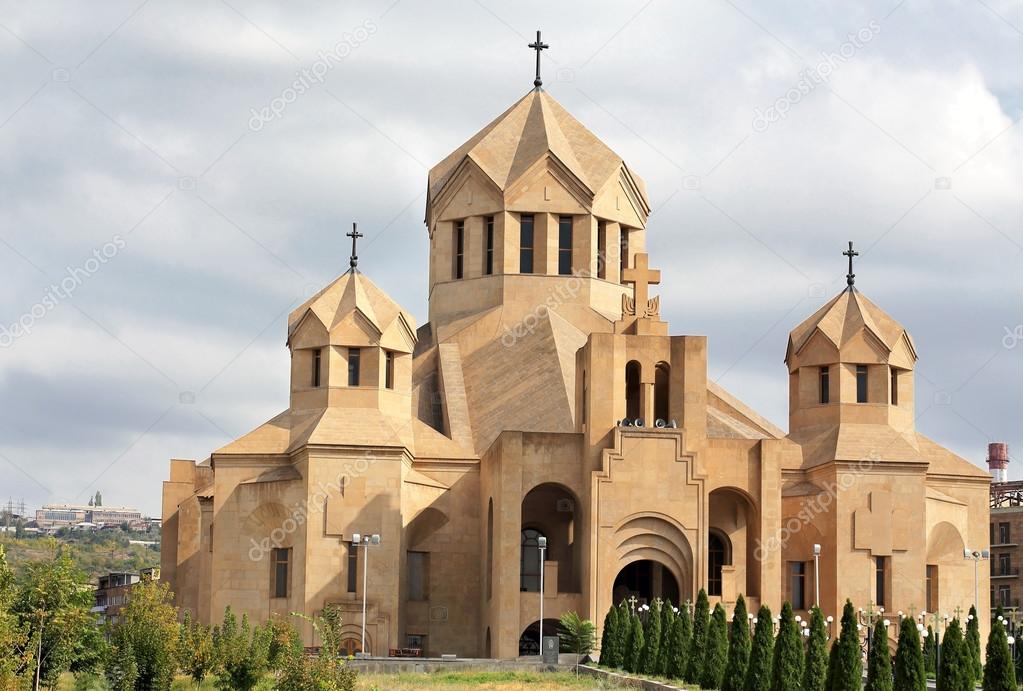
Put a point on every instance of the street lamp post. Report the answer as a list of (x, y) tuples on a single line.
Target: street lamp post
[(365, 541), (542, 542), (817, 574), (976, 556)]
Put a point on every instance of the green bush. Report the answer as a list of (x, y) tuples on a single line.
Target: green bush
[(328, 671), (815, 671), (931, 652), (879, 664), (715, 655), (910, 674), (244, 653), (845, 669), (701, 620), (667, 621), (999, 672), (973, 643), (634, 652), (652, 639), (739, 645), (955, 672), (608, 654), (678, 652), (758, 673), (787, 667)]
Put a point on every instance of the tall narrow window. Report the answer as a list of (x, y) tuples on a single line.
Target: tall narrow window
[(633, 372), (932, 588), (354, 356), (881, 581), (565, 245), (526, 244), (662, 375), (1003, 534), (861, 383), (389, 369), (797, 584), (825, 379), (317, 364), (895, 386), (280, 560), (418, 565), (353, 567), (529, 565), (715, 562), (488, 258), (624, 243), (459, 247)]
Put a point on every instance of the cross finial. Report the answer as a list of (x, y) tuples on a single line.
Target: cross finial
[(642, 277), (538, 46), (850, 278), (354, 235), (632, 600)]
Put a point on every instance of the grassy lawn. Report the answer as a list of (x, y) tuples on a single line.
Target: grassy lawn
[(488, 681)]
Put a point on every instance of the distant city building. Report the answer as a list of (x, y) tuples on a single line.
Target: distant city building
[(62, 515), (1006, 530), (114, 592)]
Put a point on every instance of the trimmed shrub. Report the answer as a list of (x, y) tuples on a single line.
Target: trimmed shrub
[(716, 655), (845, 671), (879, 664), (955, 672), (678, 653), (815, 670), (910, 673), (701, 620), (999, 672), (607, 638), (739, 645), (787, 667), (652, 639), (973, 643), (758, 672)]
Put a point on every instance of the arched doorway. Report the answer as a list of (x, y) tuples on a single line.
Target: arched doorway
[(350, 646), (732, 539), (717, 557), (529, 641), (645, 580), (549, 511)]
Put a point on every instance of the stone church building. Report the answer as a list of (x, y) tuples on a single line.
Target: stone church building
[(546, 398)]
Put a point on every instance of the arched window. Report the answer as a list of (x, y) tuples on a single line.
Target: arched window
[(716, 558), (529, 568), (633, 373), (662, 374)]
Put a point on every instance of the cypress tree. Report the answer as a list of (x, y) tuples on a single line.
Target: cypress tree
[(701, 620), (652, 639), (628, 636), (787, 667), (758, 672), (681, 632), (956, 671), (879, 665), (815, 671), (667, 621), (973, 642), (930, 652), (716, 656), (846, 671), (607, 637), (999, 672), (738, 649), (634, 655), (910, 672), (622, 633)]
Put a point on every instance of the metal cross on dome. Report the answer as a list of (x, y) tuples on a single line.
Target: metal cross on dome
[(354, 235), (538, 46), (850, 278)]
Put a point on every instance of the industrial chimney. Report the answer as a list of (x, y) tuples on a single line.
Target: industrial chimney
[(998, 461)]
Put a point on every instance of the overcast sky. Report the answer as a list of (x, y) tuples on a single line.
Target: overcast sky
[(159, 172)]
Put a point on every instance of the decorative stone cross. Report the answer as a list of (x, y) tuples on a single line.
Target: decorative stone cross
[(538, 46), (642, 277), (354, 235), (632, 600), (850, 277), (873, 527)]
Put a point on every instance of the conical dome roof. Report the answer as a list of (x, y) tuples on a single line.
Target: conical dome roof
[(843, 318), (352, 293), (520, 136)]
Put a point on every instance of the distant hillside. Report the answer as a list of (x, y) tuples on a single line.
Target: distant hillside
[(98, 553)]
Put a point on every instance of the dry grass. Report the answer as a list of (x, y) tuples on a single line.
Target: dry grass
[(474, 681)]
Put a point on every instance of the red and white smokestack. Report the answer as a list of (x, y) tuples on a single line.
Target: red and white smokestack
[(998, 461)]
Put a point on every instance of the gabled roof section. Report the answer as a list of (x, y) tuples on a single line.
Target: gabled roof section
[(535, 126), (352, 294), (843, 318)]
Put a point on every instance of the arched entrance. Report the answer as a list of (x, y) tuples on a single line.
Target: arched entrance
[(529, 641), (646, 580), (732, 538), (549, 511)]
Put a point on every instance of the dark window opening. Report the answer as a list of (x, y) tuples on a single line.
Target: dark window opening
[(715, 562), (353, 567), (797, 584), (881, 580), (459, 247), (354, 356), (526, 244), (932, 588), (632, 389), (317, 365), (280, 561), (601, 250), (418, 566), (529, 567), (662, 374), (861, 383), (565, 245), (825, 387), (624, 250), (389, 370), (1003, 534), (488, 259), (1004, 598)]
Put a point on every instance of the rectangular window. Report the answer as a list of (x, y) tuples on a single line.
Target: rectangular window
[(797, 584), (880, 581), (353, 567), (825, 376), (354, 356), (389, 369), (565, 245), (932, 588), (895, 386), (416, 641), (601, 250), (317, 365), (280, 561), (418, 565), (1004, 565), (861, 383), (623, 241), (488, 257), (526, 244), (1003, 534), (1003, 596), (459, 247)]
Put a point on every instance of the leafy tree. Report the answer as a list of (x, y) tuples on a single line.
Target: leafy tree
[(931, 652), (973, 642), (701, 620), (244, 653), (956, 671), (634, 653), (739, 645), (122, 671), (910, 673), (716, 655), (196, 651), (149, 628), (879, 665), (52, 603), (758, 672), (328, 671), (787, 666), (16, 654), (284, 642), (815, 671), (652, 639), (678, 650), (999, 672), (608, 653), (667, 621), (845, 671)]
